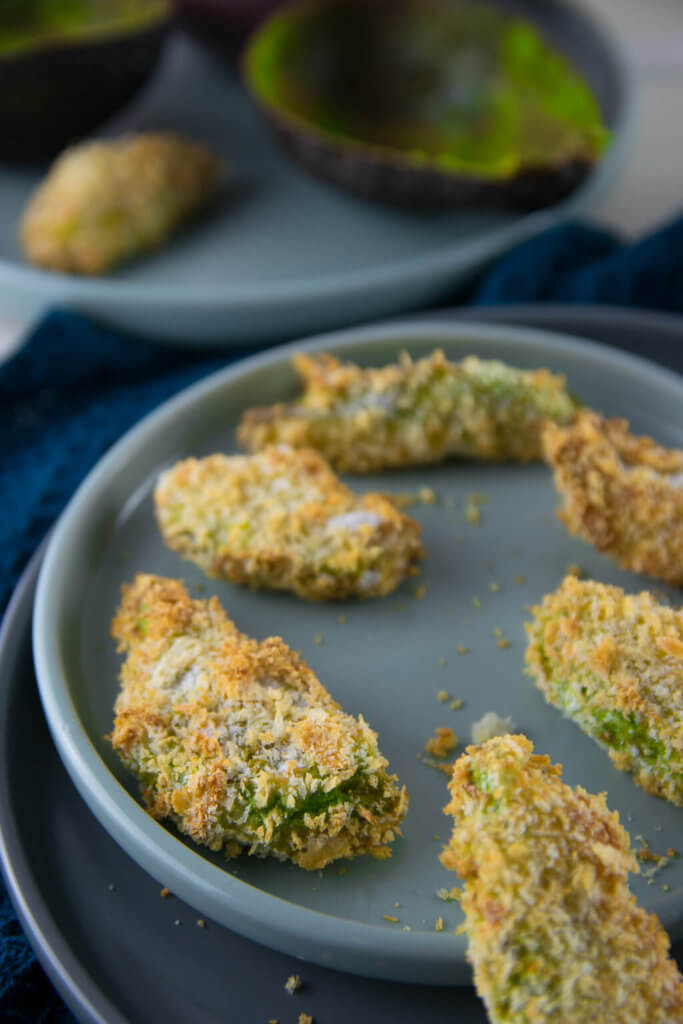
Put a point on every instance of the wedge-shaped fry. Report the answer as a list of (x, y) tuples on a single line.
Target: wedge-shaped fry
[(622, 493), (105, 202), (554, 933), (613, 663), (412, 412), (238, 743), (282, 519)]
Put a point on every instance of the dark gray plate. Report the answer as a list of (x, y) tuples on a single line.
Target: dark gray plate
[(388, 660), (285, 254), (115, 954)]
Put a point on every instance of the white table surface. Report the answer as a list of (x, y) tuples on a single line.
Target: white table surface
[(650, 187)]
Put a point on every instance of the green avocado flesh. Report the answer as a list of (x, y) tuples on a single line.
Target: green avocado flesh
[(621, 731), (28, 24), (460, 86)]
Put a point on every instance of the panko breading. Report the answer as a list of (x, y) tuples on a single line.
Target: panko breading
[(105, 202), (282, 519), (412, 413), (238, 743), (613, 663), (554, 933), (622, 493)]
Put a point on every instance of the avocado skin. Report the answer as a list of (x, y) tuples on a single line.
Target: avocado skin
[(376, 178), (53, 96), (391, 101)]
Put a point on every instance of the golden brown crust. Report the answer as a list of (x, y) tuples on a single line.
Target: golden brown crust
[(282, 519), (622, 493), (104, 202), (238, 743), (613, 662), (411, 412), (554, 933)]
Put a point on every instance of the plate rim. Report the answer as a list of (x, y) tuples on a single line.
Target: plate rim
[(147, 841), (59, 962), (410, 271)]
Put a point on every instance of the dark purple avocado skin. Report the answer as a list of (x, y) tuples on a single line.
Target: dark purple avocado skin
[(56, 95), (376, 178)]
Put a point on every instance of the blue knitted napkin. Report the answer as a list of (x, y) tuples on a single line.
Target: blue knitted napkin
[(75, 387)]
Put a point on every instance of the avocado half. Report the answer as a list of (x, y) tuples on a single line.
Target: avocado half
[(425, 102), (67, 65)]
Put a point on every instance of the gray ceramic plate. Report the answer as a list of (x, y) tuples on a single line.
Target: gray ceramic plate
[(388, 660), (284, 254)]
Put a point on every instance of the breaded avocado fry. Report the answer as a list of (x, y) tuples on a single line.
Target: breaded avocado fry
[(105, 202), (622, 493), (613, 663), (412, 413), (282, 519), (554, 933), (238, 743)]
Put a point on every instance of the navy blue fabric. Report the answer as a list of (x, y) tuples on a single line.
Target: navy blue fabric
[(580, 264), (75, 387)]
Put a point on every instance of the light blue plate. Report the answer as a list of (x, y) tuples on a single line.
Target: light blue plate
[(387, 661), (284, 254)]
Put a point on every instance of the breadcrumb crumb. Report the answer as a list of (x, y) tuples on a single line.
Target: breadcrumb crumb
[(490, 725), (449, 895), (456, 704), (461, 649), (165, 893), (443, 741), (441, 766), (473, 513), (293, 984), (438, 924), (305, 1018), (442, 696), (390, 917)]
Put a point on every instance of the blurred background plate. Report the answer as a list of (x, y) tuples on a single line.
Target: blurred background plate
[(285, 254)]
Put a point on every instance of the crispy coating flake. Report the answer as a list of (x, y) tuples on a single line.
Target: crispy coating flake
[(105, 202), (282, 519), (622, 493), (554, 933), (613, 663), (411, 413), (238, 743)]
